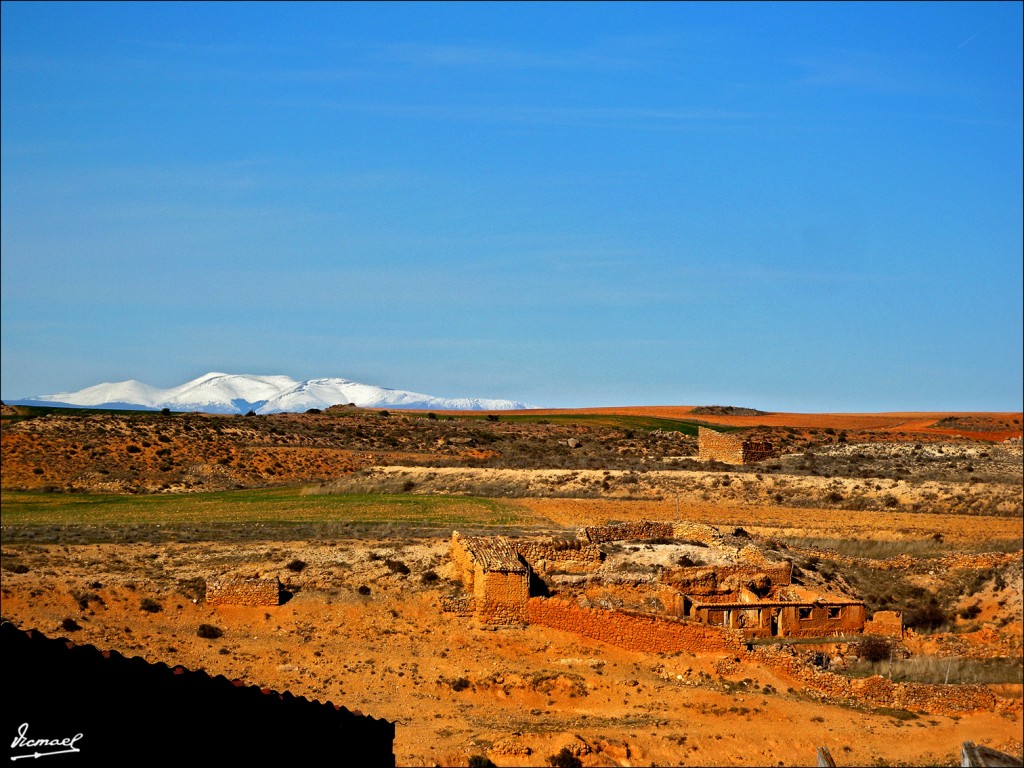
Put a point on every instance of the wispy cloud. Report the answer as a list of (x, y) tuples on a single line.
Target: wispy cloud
[(483, 56), (862, 70)]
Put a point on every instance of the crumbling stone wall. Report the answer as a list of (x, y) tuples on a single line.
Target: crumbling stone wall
[(647, 529), (885, 623), (239, 591), (643, 529), (548, 555), (701, 532), (946, 700), (631, 630), (712, 579), (463, 561), (731, 448)]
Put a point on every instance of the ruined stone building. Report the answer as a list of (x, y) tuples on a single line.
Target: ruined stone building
[(731, 447), (494, 575), (739, 595), (785, 611)]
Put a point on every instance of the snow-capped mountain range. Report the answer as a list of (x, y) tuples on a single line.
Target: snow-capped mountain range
[(241, 393)]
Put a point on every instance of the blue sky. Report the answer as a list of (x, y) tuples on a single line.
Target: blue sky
[(793, 207)]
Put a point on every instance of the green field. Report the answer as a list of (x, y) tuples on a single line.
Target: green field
[(610, 420), (262, 506)]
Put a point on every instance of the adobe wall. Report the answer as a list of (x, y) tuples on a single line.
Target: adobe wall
[(885, 623), (236, 591), (633, 631), (817, 623), (501, 598), (551, 555)]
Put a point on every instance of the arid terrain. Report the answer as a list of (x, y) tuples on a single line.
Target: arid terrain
[(113, 523)]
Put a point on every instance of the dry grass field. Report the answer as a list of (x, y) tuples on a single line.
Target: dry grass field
[(113, 522)]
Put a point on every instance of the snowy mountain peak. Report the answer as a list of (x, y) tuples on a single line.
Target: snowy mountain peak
[(240, 393)]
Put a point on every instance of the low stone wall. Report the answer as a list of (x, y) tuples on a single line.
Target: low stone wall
[(632, 631), (705, 534), (238, 591), (643, 529), (461, 605), (550, 555), (944, 700), (731, 448)]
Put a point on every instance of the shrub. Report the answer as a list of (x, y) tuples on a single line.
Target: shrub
[(565, 759), (209, 632), (927, 616), (481, 761), (397, 566), (685, 562), (970, 612), (874, 648), (296, 565), (460, 684), (194, 588), (429, 577), (70, 625), (363, 589), (149, 605)]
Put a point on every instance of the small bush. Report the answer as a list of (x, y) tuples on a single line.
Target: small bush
[(363, 589), (874, 648), (970, 612), (149, 605), (209, 632), (429, 577), (686, 562), (481, 761), (397, 566), (296, 565), (927, 616), (460, 684), (565, 759), (70, 625), (193, 589)]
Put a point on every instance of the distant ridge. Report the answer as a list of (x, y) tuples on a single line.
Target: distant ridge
[(241, 393)]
